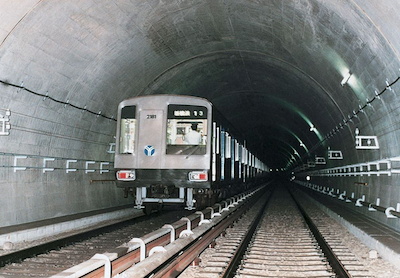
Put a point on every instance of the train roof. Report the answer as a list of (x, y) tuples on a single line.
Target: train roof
[(167, 98)]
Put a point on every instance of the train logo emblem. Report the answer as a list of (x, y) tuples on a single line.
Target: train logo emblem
[(149, 150)]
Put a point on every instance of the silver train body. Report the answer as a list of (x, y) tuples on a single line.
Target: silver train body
[(178, 149)]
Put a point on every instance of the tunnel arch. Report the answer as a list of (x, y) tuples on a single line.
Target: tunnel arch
[(277, 56)]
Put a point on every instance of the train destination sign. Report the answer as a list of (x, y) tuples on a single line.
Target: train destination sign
[(186, 112)]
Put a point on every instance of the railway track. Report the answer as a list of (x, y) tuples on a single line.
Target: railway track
[(65, 253), (344, 254), (251, 237), (122, 246), (282, 245)]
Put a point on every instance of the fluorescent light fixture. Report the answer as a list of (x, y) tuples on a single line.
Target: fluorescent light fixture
[(346, 78)]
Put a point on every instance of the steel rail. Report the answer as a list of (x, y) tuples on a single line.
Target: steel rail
[(177, 264), (333, 260), (184, 251), (33, 251), (180, 261), (124, 257), (229, 272)]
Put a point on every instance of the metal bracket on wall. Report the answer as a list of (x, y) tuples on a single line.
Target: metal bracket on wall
[(387, 166), (102, 170), (46, 169), (366, 142), (18, 168), (87, 170), (335, 155), (69, 161), (5, 125), (311, 164), (111, 148), (319, 160), (391, 212), (41, 163)]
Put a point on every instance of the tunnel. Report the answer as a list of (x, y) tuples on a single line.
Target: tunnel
[(311, 85)]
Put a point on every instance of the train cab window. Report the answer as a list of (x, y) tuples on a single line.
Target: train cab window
[(127, 130), (186, 129)]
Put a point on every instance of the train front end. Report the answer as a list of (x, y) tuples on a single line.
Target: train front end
[(163, 148)]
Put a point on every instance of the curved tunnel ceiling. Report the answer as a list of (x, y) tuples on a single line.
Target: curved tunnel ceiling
[(267, 100), (273, 68)]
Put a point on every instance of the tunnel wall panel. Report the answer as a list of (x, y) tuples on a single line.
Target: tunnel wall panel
[(41, 131)]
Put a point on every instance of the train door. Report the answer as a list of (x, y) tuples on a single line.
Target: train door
[(150, 142)]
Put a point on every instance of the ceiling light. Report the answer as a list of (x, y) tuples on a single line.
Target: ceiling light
[(345, 78)]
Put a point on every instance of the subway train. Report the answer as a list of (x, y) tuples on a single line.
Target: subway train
[(174, 149)]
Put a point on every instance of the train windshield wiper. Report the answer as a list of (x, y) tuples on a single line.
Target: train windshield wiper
[(194, 149)]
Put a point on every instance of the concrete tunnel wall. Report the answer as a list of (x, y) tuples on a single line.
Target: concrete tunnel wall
[(271, 67)]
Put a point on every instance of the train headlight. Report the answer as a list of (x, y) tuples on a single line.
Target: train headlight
[(198, 176), (126, 175)]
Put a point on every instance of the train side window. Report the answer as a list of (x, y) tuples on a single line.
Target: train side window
[(127, 130), (222, 149), (228, 143), (187, 127)]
